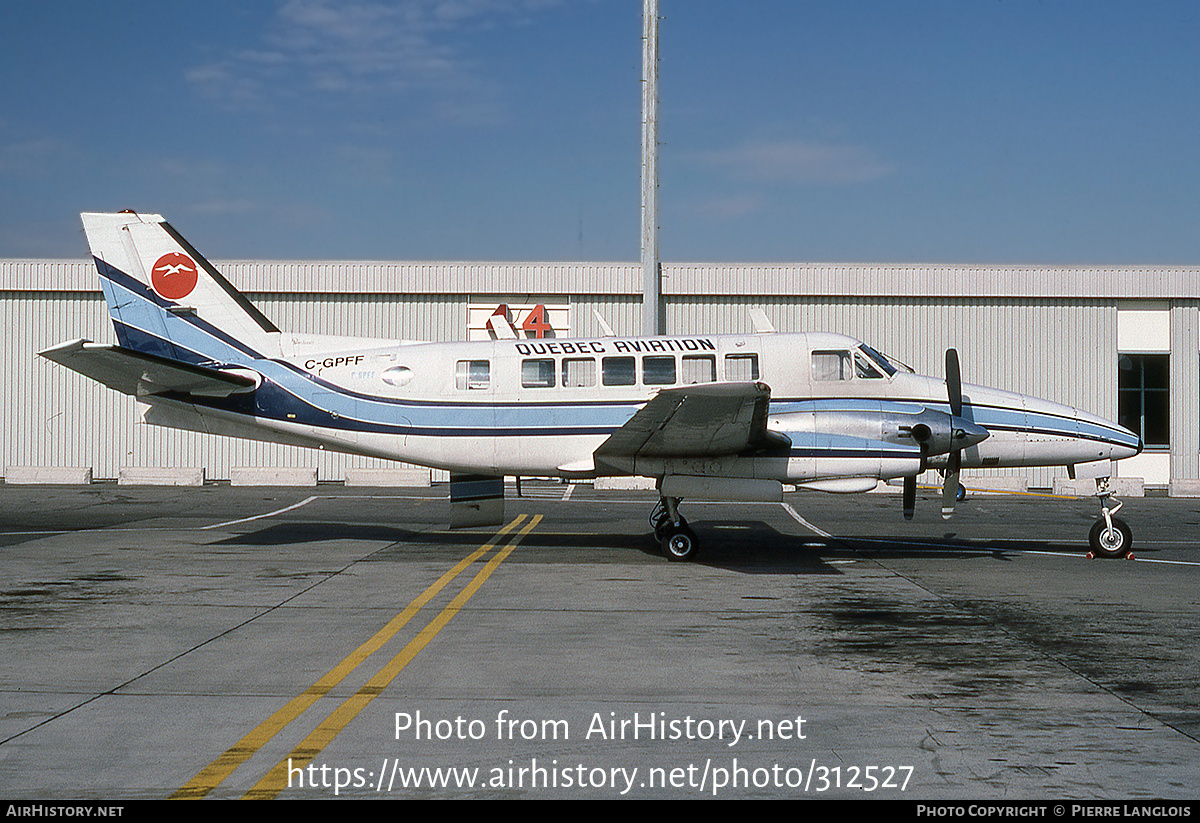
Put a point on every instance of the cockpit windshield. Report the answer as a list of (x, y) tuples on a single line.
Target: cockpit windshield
[(879, 359)]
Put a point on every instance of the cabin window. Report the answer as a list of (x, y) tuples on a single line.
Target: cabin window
[(397, 376), (831, 365), (537, 374), (741, 367), (473, 374), (578, 372), (618, 371), (698, 368), (658, 371)]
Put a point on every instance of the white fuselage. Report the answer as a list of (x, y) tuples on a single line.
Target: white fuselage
[(542, 407)]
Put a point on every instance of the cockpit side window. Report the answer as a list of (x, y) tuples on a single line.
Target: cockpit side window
[(879, 359), (863, 369)]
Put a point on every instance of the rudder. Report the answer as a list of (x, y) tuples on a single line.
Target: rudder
[(167, 300)]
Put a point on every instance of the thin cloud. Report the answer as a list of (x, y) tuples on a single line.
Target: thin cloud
[(732, 207), (797, 162), (36, 157), (364, 47)]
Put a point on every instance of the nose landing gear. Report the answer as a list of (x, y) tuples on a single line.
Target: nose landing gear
[(1110, 536)]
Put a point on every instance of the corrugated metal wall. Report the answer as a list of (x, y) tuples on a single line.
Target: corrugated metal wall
[(1057, 340), (1185, 390)]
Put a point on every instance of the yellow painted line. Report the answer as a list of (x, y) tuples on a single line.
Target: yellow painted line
[(276, 780), (212, 775)]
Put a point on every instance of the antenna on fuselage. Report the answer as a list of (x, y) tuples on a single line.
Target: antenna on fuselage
[(608, 332), (761, 323)]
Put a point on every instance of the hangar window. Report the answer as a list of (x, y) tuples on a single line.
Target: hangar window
[(1144, 395), (698, 368), (472, 374), (619, 371), (578, 372), (831, 365), (741, 367), (658, 371)]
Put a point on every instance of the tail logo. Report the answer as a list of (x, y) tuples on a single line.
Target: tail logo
[(174, 275)]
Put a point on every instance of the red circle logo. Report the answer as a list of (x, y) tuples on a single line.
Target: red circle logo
[(174, 275)]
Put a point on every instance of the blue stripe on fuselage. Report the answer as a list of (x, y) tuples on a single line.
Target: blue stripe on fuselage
[(293, 395)]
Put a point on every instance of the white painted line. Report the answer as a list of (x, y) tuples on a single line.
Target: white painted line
[(304, 502), (567, 494), (1136, 558), (787, 508)]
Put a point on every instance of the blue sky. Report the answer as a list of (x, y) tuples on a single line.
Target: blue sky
[(1063, 131)]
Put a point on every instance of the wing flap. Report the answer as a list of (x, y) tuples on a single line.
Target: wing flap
[(139, 374), (702, 420)]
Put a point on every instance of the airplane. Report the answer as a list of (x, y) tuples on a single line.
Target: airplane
[(729, 417)]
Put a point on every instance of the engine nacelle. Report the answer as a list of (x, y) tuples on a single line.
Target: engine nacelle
[(936, 432)]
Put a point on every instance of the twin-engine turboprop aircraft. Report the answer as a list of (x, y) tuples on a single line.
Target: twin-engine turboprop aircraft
[(725, 417)]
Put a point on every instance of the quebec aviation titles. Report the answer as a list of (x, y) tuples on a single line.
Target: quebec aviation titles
[(668, 344)]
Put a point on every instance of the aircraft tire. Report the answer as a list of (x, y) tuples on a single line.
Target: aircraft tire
[(1115, 543), (680, 543), (664, 525)]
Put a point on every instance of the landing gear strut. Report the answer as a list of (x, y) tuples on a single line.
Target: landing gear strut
[(1110, 536), (671, 530)]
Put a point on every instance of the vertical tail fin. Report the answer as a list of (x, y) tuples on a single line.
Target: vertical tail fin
[(165, 299)]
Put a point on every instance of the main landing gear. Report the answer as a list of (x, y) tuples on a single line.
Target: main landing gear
[(671, 530), (1110, 536)]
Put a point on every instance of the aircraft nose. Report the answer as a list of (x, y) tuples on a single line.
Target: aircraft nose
[(967, 433), (1122, 441), (1121, 450)]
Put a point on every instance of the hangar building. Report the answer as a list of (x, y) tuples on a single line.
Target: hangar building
[(1119, 341)]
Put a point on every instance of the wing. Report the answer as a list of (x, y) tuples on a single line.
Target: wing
[(703, 420), (140, 374)]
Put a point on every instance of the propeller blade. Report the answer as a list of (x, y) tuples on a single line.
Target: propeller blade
[(953, 382), (950, 489), (910, 496), (954, 459)]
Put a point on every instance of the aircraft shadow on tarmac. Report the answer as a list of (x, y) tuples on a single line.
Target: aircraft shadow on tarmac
[(748, 546)]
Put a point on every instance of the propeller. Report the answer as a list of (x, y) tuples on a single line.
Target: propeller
[(954, 458), (938, 433)]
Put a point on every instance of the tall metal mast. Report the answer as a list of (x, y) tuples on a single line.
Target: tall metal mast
[(652, 310)]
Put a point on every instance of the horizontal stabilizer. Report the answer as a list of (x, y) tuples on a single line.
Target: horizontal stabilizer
[(139, 374)]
